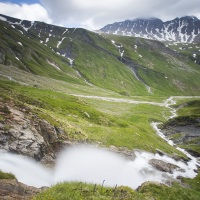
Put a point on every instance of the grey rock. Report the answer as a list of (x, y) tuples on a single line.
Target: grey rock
[(48, 131), (163, 166), (12, 189), (130, 154)]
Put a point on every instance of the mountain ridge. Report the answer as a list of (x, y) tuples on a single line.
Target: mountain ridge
[(126, 65), (184, 29)]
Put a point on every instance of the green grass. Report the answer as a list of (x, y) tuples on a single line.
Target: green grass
[(191, 108), (4, 175), (118, 124), (175, 192), (165, 73), (84, 191), (98, 60)]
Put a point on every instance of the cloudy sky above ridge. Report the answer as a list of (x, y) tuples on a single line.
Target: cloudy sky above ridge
[(94, 14)]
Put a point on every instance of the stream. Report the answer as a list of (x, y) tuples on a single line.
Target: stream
[(87, 163)]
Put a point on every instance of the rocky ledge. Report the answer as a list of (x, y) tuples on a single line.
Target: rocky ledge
[(184, 131), (23, 132), (12, 189)]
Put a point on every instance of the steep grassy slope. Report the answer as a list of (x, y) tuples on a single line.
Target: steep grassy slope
[(192, 51), (45, 64), (164, 70), (77, 59), (118, 124), (130, 66)]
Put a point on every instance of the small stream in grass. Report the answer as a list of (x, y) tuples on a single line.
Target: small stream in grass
[(90, 164)]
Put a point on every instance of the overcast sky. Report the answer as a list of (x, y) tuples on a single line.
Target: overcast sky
[(94, 14)]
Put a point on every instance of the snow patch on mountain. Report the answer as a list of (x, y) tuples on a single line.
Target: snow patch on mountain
[(70, 61), (54, 65), (60, 42), (184, 29), (120, 47), (65, 31), (19, 43)]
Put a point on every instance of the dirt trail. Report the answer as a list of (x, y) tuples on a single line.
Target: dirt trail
[(167, 103)]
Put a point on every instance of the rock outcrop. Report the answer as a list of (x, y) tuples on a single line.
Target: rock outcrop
[(12, 189), (184, 131), (24, 133)]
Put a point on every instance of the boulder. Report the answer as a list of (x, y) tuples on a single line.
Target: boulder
[(129, 154), (163, 166)]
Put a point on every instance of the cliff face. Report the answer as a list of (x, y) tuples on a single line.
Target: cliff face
[(185, 131), (23, 132)]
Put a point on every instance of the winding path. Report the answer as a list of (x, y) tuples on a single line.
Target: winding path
[(167, 103)]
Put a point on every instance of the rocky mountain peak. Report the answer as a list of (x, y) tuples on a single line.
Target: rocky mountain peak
[(184, 29)]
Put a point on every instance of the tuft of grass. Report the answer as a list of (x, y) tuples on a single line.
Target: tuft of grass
[(4, 175)]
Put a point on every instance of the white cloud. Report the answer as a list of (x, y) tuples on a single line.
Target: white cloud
[(94, 14), (32, 12)]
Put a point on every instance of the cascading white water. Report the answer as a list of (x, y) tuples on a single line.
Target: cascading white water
[(94, 165), (26, 170), (193, 163)]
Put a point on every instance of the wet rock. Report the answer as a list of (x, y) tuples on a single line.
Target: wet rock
[(184, 131), (193, 153), (12, 189), (130, 154), (163, 166)]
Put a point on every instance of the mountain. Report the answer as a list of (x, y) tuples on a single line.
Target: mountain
[(126, 65), (185, 29), (60, 87)]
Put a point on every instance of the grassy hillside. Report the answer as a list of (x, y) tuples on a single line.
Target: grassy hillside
[(43, 67), (166, 71), (76, 191), (118, 124), (130, 66)]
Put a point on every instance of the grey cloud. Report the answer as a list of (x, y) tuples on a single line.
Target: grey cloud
[(94, 14)]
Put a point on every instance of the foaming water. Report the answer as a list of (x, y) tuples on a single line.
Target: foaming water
[(26, 170), (92, 165)]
